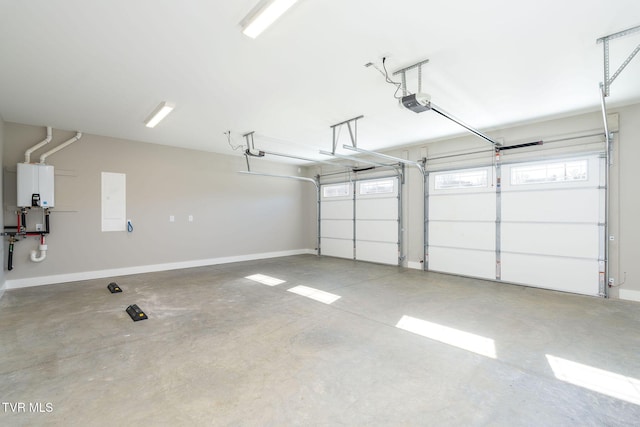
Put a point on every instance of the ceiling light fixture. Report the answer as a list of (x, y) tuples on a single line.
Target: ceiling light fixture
[(263, 15), (159, 113)]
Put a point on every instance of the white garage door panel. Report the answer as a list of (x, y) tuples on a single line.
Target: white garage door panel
[(382, 231), (548, 223), (462, 224), (576, 240), (337, 248), (473, 235), (385, 253), (337, 228), (575, 205), (478, 207), (376, 221), (337, 209), (464, 262), (550, 235), (378, 208), (569, 275)]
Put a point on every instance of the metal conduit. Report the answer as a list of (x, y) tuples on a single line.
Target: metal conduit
[(546, 142), (298, 178), (464, 125)]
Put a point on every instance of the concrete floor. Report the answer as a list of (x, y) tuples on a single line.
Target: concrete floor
[(219, 349)]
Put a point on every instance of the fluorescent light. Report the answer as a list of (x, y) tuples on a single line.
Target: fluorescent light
[(263, 15), (159, 113)]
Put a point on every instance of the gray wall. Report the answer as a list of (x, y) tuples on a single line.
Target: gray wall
[(234, 214), (628, 204), (2, 250), (625, 204)]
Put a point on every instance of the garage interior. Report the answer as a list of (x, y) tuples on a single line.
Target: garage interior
[(362, 215)]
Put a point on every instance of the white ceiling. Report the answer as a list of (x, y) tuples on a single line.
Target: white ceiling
[(102, 66)]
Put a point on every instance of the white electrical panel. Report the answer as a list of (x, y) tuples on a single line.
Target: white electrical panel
[(35, 185)]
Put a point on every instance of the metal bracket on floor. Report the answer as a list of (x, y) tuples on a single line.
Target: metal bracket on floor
[(353, 132), (605, 43)]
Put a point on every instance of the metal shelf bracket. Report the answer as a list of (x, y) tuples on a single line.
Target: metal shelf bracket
[(605, 43)]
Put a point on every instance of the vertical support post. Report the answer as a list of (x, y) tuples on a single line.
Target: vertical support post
[(425, 212), (604, 289), (355, 125), (318, 213), (355, 184), (498, 167), (333, 147), (603, 252), (404, 84), (401, 256), (605, 49), (604, 273)]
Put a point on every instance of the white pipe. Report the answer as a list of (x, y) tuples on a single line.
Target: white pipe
[(27, 154), (43, 254), (61, 146)]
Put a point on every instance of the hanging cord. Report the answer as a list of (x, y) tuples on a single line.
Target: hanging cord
[(234, 148), (621, 283), (388, 79)]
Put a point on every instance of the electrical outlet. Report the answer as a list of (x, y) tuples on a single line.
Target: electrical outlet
[(172, 218), (38, 227), (190, 218)]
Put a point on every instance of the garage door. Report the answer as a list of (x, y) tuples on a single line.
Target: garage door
[(336, 220), (360, 220), (462, 222), (543, 227), (377, 220), (552, 232)]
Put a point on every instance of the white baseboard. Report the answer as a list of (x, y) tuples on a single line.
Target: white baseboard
[(628, 295), (125, 271), (414, 265)]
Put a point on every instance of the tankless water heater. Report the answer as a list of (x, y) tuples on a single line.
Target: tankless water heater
[(35, 185)]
